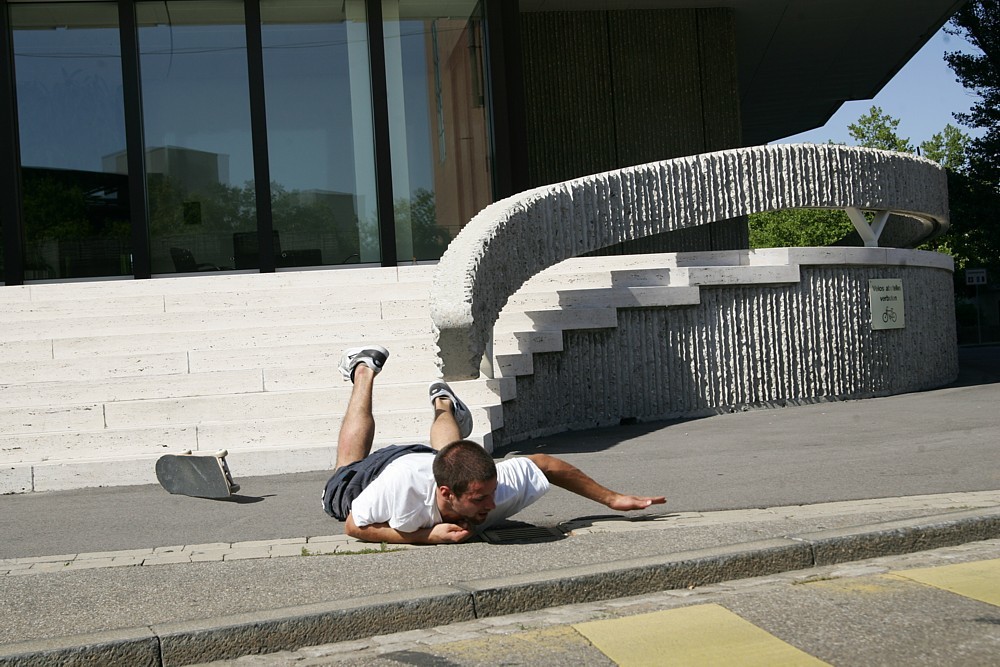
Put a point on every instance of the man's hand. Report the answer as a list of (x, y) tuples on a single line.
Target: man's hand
[(571, 478), (442, 533), (448, 533), (625, 503)]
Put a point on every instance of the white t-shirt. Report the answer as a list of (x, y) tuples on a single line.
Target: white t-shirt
[(403, 495)]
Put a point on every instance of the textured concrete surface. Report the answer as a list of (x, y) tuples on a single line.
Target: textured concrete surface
[(742, 346), (511, 240)]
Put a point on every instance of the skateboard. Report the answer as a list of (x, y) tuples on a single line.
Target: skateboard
[(198, 475)]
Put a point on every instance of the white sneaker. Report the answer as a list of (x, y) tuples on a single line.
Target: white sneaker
[(440, 388), (372, 356)]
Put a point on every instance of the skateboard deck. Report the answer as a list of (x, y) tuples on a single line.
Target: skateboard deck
[(198, 475)]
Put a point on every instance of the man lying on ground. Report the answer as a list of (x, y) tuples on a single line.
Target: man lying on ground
[(415, 494)]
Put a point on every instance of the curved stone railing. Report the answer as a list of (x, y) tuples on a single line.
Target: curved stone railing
[(513, 239)]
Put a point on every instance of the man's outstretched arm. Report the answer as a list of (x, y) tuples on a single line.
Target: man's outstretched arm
[(573, 479), (442, 533)]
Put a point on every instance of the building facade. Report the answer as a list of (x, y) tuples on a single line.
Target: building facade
[(155, 137)]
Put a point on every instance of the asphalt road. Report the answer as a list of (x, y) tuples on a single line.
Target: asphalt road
[(930, 442)]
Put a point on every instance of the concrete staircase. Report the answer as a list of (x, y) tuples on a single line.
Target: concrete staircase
[(98, 379), (586, 293)]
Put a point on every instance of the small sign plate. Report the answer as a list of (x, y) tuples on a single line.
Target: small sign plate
[(975, 276), (886, 298)]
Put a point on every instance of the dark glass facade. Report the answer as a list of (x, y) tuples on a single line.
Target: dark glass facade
[(182, 136)]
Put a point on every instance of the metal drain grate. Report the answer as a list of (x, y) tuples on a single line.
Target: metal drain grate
[(523, 534)]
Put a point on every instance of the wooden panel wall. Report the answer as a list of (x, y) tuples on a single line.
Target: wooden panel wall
[(610, 89)]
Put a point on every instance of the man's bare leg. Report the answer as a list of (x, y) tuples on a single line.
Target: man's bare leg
[(357, 431), (444, 428), (452, 419), (360, 365)]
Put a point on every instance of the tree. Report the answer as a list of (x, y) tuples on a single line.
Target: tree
[(877, 129), (975, 188), (978, 22), (798, 227), (949, 148)]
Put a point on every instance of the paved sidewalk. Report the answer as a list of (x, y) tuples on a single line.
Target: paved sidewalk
[(135, 576), (199, 603), (770, 522)]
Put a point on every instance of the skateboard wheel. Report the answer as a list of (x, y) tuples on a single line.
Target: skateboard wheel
[(222, 453), (186, 452)]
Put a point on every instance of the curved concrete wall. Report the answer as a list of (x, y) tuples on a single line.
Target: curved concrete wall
[(513, 239), (746, 346)]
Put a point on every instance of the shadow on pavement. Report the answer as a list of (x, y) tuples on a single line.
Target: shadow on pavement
[(977, 365)]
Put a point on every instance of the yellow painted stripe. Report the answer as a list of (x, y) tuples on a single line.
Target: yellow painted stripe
[(979, 580), (700, 635)]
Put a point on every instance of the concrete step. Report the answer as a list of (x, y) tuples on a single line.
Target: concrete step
[(94, 368), (158, 323), (617, 297), (25, 350), (283, 404), (31, 311), (595, 272), (412, 354), (337, 335), (140, 469), (600, 317), (133, 388), (706, 275), (391, 303), (66, 446), (200, 373), (527, 342), (187, 385), (313, 295), (285, 365), (352, 276)]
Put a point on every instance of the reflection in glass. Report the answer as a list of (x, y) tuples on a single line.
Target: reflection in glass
[(319, 126), (199, 156), (437, 118), (71, 125)]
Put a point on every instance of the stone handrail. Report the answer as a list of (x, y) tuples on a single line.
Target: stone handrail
[(513, 239)]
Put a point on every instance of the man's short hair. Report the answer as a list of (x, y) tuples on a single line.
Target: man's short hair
[(461, 463)]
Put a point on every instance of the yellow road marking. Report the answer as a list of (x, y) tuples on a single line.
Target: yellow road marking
[(979, 580), (706, 634)]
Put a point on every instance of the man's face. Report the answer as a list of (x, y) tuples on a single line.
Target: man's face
[(473, 506)]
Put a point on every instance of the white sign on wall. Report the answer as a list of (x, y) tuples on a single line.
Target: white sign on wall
[(975, 276), (886, 297)]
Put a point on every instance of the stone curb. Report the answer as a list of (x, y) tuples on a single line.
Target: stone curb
[(295, 627)]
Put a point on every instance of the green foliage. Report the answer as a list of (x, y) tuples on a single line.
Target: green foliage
[(974, 189), (798, 228), (978, 22), (877, 129), (948, 148)]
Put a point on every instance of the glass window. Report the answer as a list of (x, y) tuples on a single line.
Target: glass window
[(319, 130), (437, 119), (71, 123), (199, 155)]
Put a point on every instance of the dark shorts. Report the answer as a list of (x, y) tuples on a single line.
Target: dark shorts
[(349, 481)]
